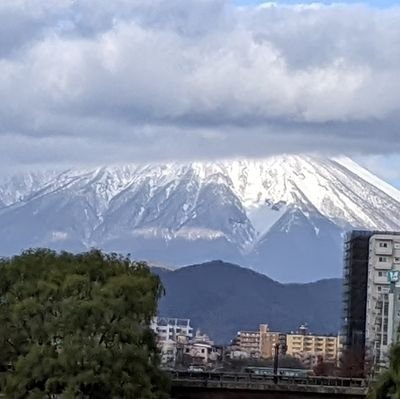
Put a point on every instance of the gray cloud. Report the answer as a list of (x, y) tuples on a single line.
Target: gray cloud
[(94, 81)]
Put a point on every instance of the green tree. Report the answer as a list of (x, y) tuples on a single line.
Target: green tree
[(78, 325), (388, 383)]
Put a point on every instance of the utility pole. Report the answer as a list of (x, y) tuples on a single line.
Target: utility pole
[(276, 362)]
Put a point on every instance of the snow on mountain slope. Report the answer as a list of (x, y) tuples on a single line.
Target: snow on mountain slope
[(301, 246), (369, 177), (17, 188), (246, 211), (338, 193)]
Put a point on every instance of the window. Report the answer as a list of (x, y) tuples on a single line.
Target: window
[(397, 259), (397, 245), (383, 245), (383, 259), (379, 288), (380, 274)]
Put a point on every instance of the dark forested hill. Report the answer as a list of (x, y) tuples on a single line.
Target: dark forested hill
[(222, 298)]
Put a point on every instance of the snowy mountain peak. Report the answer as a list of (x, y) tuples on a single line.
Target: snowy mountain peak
[(182, 213)]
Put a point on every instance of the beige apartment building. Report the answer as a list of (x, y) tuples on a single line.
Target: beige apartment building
[(259, 344), (310, 348), (268, 340), (249, 342), (306, 347)]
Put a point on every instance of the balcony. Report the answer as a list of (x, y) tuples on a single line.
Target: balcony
[(382, 280), (383, 265), (380, 249)]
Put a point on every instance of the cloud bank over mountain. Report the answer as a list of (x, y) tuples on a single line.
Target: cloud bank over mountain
[(97, 81)]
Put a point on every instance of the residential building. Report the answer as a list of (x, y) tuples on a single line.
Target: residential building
[(168, 352), (383, 297), (233, 351), (259, 344), (249, 342), (172, 335), (168, 328), (370, 300), (201, 349), (179, 348), (305, 343), (268, 341), (311, 348)]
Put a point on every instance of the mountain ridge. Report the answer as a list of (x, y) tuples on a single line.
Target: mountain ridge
[(222, 298), (283, 215)]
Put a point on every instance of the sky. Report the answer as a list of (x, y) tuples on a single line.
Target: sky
[(373, 3), (98, 82)]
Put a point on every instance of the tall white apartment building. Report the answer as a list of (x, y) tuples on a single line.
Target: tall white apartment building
[(168, 329), (383, 297), (171, 332)]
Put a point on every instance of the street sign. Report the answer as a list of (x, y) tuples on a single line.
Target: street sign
[(393, 276)]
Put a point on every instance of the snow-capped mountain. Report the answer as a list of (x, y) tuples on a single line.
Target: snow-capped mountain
[(283, 215)]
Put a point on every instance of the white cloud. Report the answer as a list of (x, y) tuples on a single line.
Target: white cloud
[(95, 81)]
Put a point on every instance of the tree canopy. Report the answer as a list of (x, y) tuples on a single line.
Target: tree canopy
[(388, 383), (78, 325)]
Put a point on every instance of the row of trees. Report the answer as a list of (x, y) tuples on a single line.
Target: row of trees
[(78, 325)]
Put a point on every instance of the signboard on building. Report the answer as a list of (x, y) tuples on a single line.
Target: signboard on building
[(393, 276)]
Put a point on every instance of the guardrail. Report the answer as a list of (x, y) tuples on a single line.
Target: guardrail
[(254, 378)]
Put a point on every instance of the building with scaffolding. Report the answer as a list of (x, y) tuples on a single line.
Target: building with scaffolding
[(371, 310), (383, 297), (355, 280)]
